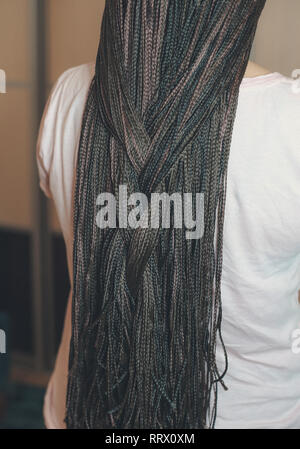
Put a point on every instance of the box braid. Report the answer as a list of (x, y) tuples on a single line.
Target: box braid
[(146, 310)]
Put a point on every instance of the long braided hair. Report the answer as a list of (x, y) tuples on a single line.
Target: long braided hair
[(146, 311)]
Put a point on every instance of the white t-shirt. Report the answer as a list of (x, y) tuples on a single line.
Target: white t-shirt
[(261, 262)]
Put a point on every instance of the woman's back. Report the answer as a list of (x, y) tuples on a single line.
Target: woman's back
[(261, 264), (261, 248)]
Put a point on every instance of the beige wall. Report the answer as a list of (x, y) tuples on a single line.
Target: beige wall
[(277, 44), (15, 120), (73, 33), (73, 28), (15, 39), (15, 161)]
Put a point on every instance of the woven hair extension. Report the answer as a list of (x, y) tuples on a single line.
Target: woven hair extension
[(147, 302)]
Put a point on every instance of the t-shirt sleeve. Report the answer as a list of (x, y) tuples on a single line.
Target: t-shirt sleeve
[(49, 128), (60, 123), (45, 141)]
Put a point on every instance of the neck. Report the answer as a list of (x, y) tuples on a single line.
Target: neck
[(254, 70)]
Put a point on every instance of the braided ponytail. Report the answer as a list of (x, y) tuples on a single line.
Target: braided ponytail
[(147, 301)]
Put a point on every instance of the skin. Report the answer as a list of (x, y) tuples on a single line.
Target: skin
[(254, 70)]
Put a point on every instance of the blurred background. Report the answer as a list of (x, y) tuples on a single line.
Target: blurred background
[(39, 39)]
